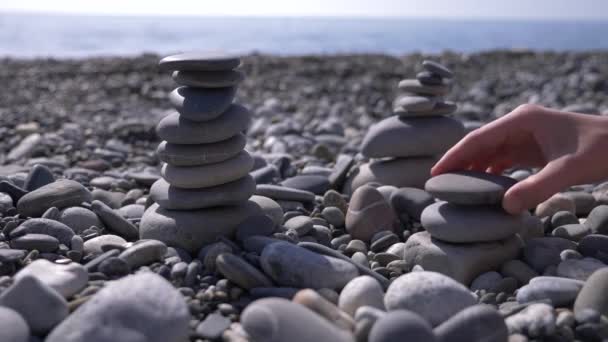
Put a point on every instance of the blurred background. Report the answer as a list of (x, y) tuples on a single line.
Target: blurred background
[(69, 28)]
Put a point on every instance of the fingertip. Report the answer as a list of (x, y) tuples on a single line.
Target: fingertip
[(513, 204)]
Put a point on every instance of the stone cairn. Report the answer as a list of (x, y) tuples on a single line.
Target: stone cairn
[(205, 184), (406, 145)]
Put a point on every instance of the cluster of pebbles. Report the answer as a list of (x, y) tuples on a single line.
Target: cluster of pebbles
[(205, 186), (439, 261), (406, 145)]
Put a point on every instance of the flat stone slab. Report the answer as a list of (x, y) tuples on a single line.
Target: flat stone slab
[(416, 87), (463, 262), (399, 172), (204, 176), (201, 104), (201, 154), (469, 187), (178, 130), (208, 79), (193, 229), (411, 137), (414, 103), (437, 68), (440, 108), (232, 193), (199, 61), (459, 223), (60, 194), (282, 193)]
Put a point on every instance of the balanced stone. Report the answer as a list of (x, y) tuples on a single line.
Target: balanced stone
[(174, 198), (469, 187), (440, 108), (460, 223), (437, 68), (193, 229), (208, 79), (432, 295), (429, 78), (201, 104), (199, 61), (414, 103), (202, 154), (416, 87), (411, 137), (204, 176), (462, 262), (177, 130)]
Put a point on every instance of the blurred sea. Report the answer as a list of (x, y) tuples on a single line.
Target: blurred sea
[(40, 35)]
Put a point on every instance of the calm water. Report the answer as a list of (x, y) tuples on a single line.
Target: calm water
[(31, 35)]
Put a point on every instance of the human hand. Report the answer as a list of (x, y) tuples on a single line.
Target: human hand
[(570, 148)]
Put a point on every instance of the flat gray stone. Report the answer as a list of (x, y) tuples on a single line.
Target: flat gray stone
[(469, 187), (316, 184), (113, 221), (368, 213), (462, 223), (463, 262), (301, 224), (437, 68), (579, 269), (193, 229), (213, 326), (211, 175), (41, 306), (416, 87), (201, 154), (13, 327), (53, 228), (595, 246), (39, 176), (79, 219), (432, 295), (132, 211), (543, 252), (60, 194), (279, 320), (178, 130), (290, 265), (475, 323), (241, 272), (429, 78), (277, 192), (141, 307), (208, 79), (593, 294), (573, 232), (41, 242), (411, 201), (269, 208), (401, 325), (67, 280), (398, 172), (200, 61), (143, 252), (94, 245), (561, 292), (174, 198), (412, 103), (361, 291), (411, 137), (201, 104)]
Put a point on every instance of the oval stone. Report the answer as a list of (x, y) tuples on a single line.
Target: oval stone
[(475, 323), (60, 194), (398, 172), (200, 61), (204, 176), (593, 294), (13, 327), (200, 154), (241, 272), (294, 266), (368, 213), (53, 228), (401, 325), (174, 198), (193, 229), (361, 291), (208, 79), (432, 295), (201, 104), (458, 223), (414, 103), (178, 130), (416, 87), (411, 137), (469, 187)]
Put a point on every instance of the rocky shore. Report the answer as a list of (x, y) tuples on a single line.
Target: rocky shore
[(321, 259)]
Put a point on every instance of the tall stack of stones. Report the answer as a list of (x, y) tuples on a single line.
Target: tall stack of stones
[(406, 145), (205, 184), (467, 231)]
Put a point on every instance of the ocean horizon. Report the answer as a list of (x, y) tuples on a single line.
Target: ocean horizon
[(31, 35)]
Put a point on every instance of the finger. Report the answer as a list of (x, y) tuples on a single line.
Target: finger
[(537, 188)]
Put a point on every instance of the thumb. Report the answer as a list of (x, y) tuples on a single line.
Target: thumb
[(537, 188)]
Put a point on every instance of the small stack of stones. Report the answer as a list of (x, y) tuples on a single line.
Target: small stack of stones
[(205, 184), (410, 141), (469, 217)]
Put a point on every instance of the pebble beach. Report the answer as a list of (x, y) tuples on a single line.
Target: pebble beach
[(273, 198)]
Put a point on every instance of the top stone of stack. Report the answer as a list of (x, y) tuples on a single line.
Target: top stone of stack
[(469, 187), (199, 61)]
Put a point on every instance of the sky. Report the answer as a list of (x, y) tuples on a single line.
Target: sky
[(518, 9)]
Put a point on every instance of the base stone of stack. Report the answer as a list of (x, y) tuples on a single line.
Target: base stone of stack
[(193, 229), (462, 262), (399, 172)]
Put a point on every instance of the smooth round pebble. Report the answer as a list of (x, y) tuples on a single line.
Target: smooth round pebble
[(368, 213), (361, 291), (401, 325), (475, 323)]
